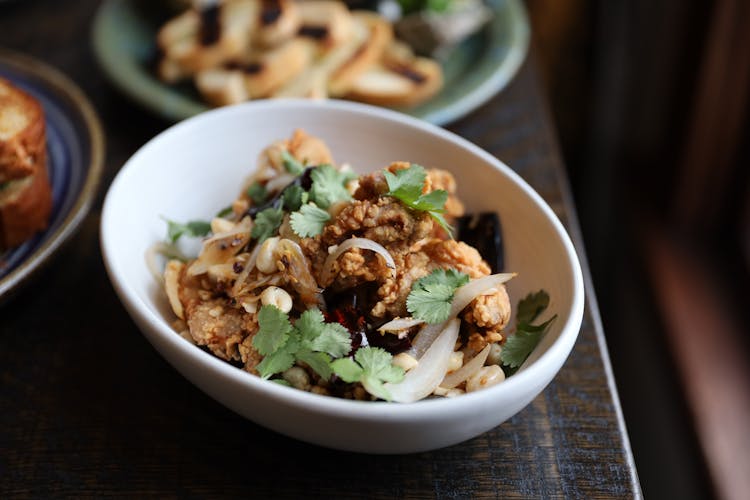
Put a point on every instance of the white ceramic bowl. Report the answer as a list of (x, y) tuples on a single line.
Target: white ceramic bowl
[(195, 168)]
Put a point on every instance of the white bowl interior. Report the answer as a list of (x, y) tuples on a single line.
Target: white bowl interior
[(197, 167)]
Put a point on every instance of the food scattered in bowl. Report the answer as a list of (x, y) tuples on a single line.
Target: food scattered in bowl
[(239, 50), (351, 286)]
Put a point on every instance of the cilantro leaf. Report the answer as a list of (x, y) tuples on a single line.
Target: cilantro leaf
[(311, 340), (309, 221), (194, 229), (347, 369), (266, 223), (407, 184), (531, 306), (431, 296), (274, 330), (334, 339), (275, 362), (291, 164), (224, 211), (320, 362), (257, 192), (377, 362), (520, 344), (372, 367), (431, 303), (294, 196), (449, 277), (329, 185), (317, 335)]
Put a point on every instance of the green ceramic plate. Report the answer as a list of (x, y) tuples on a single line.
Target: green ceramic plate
[(123, 39)]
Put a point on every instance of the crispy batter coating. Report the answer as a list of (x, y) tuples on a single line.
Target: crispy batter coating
[(213, 322)]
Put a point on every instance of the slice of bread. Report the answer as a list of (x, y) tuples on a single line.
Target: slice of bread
[(25, 192), (221, 87), (202, 39), (326, 21), (21, 133), (379, 36), (399, 79), (279, 21)]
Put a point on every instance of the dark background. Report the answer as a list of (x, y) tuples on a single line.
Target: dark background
[(650, 103)]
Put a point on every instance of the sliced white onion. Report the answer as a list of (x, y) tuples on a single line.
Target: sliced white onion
[(399, 324), (355, 242), (461, 299), (249, 266), (221, 247), (279, 182), (422, 380), (151, 253), (298, 270), (453, 379)]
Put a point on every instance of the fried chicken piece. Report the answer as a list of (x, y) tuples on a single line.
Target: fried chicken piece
[(393, 292), (212, 321), (456, 255), (219, 326), (442, 179), (383, 220)]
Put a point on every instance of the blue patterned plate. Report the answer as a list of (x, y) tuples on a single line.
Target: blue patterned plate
[(124, 43), (75, 151)]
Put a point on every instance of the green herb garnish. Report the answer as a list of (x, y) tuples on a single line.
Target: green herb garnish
[(329, 185), (309, 221), (291, 164), (311, 340), (294, 196), (224, 212), (194, 229), (431, 296), (520, 344), (267, 222), (407, 184), (372, 367), (257, 192)]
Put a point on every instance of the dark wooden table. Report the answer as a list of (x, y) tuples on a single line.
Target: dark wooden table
[(88, 408)]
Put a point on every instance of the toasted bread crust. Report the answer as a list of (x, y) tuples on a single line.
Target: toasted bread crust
[(26, 211), (26, 195), (19, 153)]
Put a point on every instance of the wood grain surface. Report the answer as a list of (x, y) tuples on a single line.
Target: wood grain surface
[(89, 409)]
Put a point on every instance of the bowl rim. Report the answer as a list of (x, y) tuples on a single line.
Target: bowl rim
[(382, 410)]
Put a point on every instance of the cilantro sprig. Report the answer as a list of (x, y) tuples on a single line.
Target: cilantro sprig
[(329, 185), (431, 296), (267, 222), (291, 164), (194, 229), (257, 192), (520, 344), (372, 367), (407, 184), (309, 221), (311, 340)]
